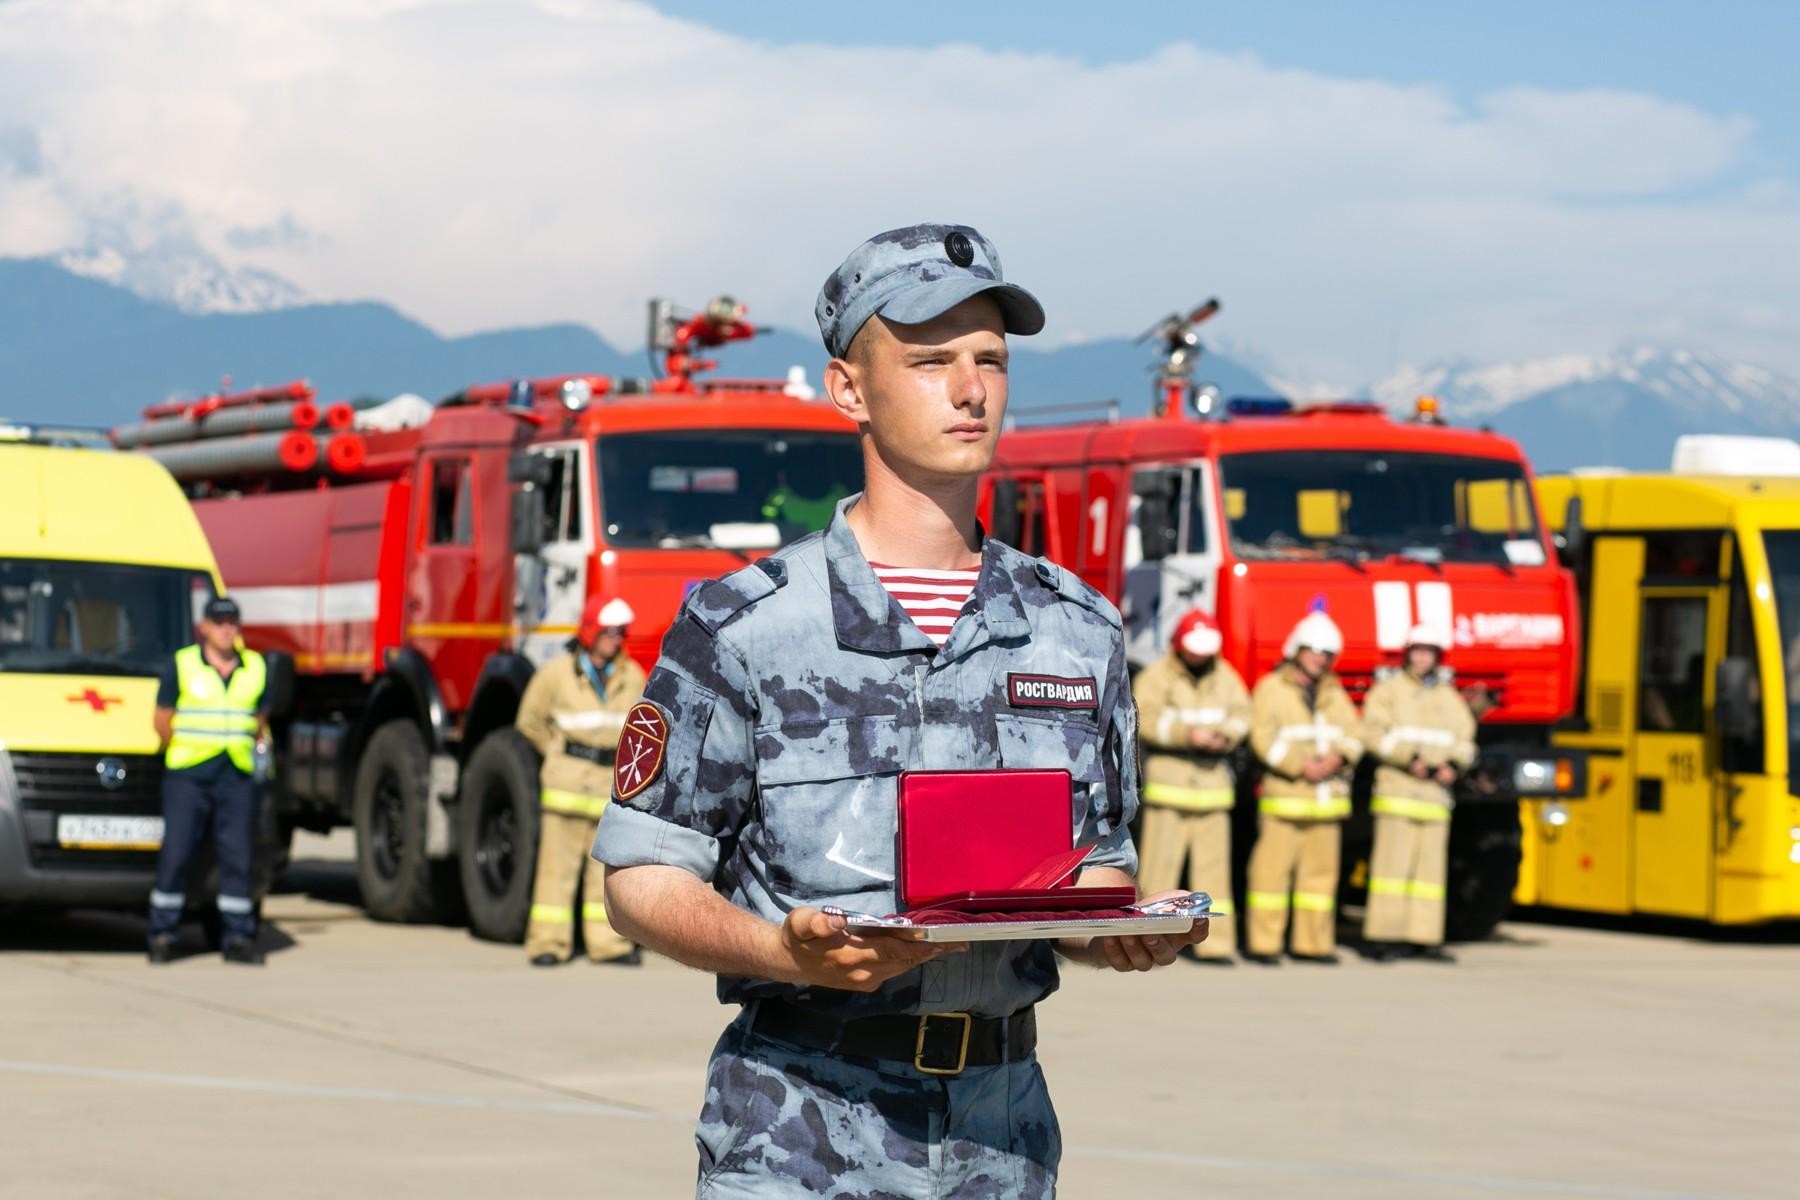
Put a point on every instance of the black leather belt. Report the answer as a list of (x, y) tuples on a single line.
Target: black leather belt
[(936, 1043), (593, 754)]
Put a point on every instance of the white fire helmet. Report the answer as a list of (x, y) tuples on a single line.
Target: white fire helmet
[(1434, 636), (1316, 631)]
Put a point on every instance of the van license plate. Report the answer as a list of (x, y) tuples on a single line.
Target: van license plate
[(109, 833)]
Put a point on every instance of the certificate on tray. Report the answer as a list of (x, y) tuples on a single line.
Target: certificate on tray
[(1175, 915)]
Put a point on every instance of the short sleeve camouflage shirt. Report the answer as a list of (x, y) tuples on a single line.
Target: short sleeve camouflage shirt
[(792, 694)]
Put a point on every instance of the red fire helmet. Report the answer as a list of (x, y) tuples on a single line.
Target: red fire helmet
[(1198, 634)]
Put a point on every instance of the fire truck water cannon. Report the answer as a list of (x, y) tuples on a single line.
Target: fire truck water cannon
[(1181, 349), (720, 322)]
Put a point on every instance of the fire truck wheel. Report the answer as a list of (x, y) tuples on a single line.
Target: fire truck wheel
[(1483, 870), (497, 839), (391, 799)]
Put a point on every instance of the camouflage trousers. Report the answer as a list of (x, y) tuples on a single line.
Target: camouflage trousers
[(780, 1121)]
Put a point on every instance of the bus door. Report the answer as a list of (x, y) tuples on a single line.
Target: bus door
[(1673, 818), (1172, 555), (552, 584)]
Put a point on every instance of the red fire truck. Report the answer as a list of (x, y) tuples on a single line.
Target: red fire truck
[(1258, 510), (419, 578)]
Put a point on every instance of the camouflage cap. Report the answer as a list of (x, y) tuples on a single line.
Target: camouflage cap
[(914, 274)]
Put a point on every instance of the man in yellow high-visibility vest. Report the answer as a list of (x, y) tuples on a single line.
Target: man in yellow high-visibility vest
[(212, 717), (573, 711)]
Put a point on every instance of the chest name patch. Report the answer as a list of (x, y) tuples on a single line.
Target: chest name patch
[(1051, 691), (641, 749)]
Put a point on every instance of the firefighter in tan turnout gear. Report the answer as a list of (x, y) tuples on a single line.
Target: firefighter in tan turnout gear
[(1193, 711), (573, 712), (1305, 730), (1422, 734)]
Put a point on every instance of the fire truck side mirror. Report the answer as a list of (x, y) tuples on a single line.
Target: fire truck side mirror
[(1571, 543), (1003, 512), (278, 685), (526, 467), (528, 520), (1156, 493)]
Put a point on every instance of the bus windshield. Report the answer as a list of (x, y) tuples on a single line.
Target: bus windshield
[(674, 489), (1377, 504), (66, 618)]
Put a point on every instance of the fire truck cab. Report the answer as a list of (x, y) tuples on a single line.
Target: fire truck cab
[(1258, 511), (419, 591)]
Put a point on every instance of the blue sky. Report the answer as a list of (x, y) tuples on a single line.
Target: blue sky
[(1367, 186), (1740, 56)]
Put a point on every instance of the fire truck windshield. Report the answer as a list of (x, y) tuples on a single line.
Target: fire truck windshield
[(674, 488), (1366, 505), (70, 618)]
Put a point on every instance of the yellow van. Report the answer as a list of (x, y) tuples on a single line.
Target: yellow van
[(103, 569), (1690, 586)]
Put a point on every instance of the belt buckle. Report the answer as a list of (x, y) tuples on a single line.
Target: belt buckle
[(962, 1051)]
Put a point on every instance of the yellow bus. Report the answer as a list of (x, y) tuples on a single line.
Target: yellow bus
[(1690, 588), (103, 569)]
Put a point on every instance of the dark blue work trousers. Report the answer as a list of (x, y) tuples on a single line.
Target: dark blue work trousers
[(216, 794)]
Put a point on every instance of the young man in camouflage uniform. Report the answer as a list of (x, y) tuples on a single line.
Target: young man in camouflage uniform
[(1193, 711), (1305, 730), (573, 711), (1422, 733), (757, 781)]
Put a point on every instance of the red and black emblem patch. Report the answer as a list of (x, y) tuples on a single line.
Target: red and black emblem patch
[(1051, 691), (641, 749)]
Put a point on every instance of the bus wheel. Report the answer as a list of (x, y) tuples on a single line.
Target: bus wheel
[(390, 798), (497, 809), (1484, 870)]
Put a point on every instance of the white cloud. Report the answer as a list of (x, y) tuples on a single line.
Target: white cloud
[(501, 162)]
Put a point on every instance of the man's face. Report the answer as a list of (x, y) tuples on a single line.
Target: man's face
[(1421, 660), (1195, 662), (219, 636), (606, 645), (1312, 663), (932, 395)]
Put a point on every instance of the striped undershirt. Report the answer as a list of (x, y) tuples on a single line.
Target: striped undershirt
[(931, 598)]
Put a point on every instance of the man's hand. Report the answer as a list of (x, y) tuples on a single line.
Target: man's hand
[(1319, 768), (1446, 774), (1207, 739), (1419, 769), (1148, 951), (826, 956)]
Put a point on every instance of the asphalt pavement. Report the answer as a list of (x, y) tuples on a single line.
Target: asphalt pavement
[(370, 1060)]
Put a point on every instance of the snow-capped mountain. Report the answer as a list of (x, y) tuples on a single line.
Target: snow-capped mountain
[(182, 275), (1621, 409)]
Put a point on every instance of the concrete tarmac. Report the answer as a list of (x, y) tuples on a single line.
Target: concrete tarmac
[(370, 1060)]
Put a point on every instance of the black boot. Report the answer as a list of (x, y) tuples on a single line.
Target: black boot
[(1381, 952), (161, 949), (242, 951), (1262, 960), (1436, 954), (546, 959), (1317, 960)]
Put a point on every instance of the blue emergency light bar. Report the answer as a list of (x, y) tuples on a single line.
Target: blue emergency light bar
[(1258, 406)]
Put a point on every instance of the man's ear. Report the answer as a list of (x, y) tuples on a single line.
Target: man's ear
[(844, 389)]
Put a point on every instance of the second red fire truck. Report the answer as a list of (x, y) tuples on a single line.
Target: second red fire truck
[(1258, 510)]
